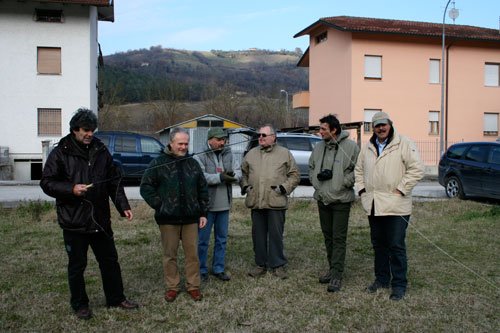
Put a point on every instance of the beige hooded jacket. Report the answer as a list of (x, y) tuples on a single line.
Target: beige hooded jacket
[(377, 177)]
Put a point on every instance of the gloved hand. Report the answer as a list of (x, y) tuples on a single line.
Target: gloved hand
[(226, 177), (245, 189), (279, 189)]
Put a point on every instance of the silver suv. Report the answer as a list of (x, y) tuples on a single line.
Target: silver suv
[(301, 146)]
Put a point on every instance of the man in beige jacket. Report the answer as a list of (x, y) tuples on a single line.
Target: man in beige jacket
[(387, 169), (269, 175)]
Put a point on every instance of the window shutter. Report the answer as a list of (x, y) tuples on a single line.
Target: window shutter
[(491, 122), (491, 72), (434, 71), (49, 60), (373, 67)]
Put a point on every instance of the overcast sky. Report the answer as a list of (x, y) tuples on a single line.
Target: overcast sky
[(203, 25)]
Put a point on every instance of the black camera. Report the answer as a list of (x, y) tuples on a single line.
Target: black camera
[(325, 174)]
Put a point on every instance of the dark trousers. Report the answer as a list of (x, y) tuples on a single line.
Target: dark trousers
[(103, 246), (388, 235), (267, 235), (334, 220)]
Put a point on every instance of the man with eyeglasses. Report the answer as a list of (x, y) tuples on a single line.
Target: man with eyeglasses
[(269, 175)]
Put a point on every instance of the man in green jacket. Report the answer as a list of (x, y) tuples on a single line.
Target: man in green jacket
[(269, 175), (174, 186), (331, 172), (387, 169)]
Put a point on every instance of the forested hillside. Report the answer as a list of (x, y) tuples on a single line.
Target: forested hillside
[(135, 76), (149, 89)]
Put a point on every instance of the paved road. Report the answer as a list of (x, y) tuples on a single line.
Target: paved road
[(12, 193)]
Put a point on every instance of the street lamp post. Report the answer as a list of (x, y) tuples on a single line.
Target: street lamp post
[(454, 15), (286, 96)]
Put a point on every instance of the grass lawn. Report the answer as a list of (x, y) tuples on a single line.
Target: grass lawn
[(443, 295)]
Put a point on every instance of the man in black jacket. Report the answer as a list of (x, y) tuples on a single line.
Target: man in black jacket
[(79, 173)]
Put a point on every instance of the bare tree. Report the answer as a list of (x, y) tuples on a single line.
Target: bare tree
[(109, 115), (224, 101), (167, 107)]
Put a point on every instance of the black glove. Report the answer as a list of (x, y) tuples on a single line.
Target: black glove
[(225, 177), (245, 189), (230, 173), (279, 189)]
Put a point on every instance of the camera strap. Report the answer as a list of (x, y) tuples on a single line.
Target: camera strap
[(323, 157)]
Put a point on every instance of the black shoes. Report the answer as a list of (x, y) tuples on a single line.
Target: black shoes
[(83, 313), (222, 276), (376, 285), (126, 305), (204, 277), (334, 285), (397, 295), (325, 278)]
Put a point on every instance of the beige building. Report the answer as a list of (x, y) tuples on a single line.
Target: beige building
[(358, 66)]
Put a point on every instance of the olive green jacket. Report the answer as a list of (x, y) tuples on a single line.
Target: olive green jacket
[(340, 156)]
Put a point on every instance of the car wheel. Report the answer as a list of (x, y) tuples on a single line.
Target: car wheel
[(454, 188)]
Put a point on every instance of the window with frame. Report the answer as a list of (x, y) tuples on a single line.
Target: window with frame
[(491, 74), (295, 143), (373, 67), (490, 124), (434, 122), (322, 37), (368, 115), (49, 15), (477, 154), (494, 156), (150, 146), (434, 66), (49, 60), (210, 123), (49, 122), (125, 144)]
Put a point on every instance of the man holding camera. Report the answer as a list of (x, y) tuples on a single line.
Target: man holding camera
[(221, 171), (331, 172)]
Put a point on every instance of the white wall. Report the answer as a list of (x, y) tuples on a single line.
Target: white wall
[(23, 90)]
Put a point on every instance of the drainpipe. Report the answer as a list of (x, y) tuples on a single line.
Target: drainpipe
[(446, 95)]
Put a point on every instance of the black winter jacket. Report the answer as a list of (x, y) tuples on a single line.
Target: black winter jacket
[(67, 165), (176, 189)]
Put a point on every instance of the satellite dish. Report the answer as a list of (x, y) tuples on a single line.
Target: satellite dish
[(453, 13)]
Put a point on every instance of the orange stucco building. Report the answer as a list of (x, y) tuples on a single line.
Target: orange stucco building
[(358, 66)]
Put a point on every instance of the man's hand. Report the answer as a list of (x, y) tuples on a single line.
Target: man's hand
[(203, 222), (245, 189), (396, 191), (80, 189), (279, 189), (227, 177), (128, 214)]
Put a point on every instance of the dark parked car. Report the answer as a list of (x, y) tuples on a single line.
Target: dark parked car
[(299, 144), (131, 152), (471, 169)]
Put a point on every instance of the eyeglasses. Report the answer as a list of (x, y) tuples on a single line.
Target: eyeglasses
[(264, 135)]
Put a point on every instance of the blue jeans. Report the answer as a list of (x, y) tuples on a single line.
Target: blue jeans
[(220, 222), (388, 235)]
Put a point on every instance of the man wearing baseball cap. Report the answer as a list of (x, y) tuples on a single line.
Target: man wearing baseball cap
[(221, 171), (386, 171)]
